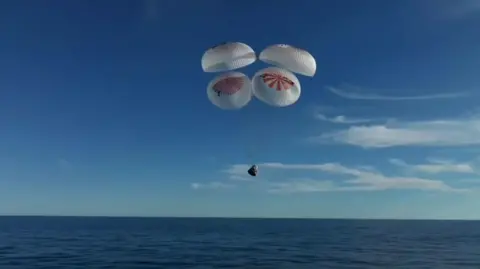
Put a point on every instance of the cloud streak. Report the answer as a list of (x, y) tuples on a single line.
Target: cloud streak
[(435, 167), (357, 179), (211, 185), (354, 92), (341, 119), (310, 185), (235, 173), (238, 172), (447, 133)]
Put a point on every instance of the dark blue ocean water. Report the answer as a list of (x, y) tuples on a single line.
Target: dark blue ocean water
[(71, 242)]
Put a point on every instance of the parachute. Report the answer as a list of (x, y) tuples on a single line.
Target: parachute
[(276, 85), (228, 56), (232, 90), (291, 58)]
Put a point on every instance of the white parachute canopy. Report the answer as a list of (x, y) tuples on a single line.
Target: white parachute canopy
[(276, 87), (291, 58), (232, 90), (228, 56)]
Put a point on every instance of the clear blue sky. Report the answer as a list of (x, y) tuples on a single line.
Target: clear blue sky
[(103, 110)]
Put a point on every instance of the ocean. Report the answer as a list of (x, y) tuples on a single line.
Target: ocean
[(201, 243)]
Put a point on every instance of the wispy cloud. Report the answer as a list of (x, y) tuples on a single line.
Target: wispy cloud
[(338, 115), (234, 173), (459, 132), (311, 185), (358, 179), (341, 119), (435, 167), (302, 185), (211, 185), (238, 172), (355, 92)]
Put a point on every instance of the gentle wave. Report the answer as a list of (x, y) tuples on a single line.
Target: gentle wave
[(61, 242)]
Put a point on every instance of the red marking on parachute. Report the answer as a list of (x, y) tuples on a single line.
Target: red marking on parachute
[(229, 85), (277, 81)]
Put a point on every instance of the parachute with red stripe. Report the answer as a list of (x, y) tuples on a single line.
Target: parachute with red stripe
[(276, 87), (230, 91)]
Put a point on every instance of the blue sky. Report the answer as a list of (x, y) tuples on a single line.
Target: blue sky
[(103, 110)]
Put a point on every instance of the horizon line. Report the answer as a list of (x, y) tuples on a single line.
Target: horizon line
[(234, 217)]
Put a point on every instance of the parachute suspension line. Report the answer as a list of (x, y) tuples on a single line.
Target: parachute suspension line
[(249, 135), (258, 134)]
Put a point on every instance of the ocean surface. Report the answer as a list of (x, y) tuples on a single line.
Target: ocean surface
[(90, 242)]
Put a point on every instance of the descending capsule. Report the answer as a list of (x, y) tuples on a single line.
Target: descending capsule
[(276, 86), (232, 90), (253, 171), (227, 56), (291, 58)]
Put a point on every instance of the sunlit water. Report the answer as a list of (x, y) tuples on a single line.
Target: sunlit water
[(51, 242)]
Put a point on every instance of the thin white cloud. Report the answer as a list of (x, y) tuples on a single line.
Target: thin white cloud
[(341, 119), (439, 160), (211, 185), (470, 180), (358, 179), (238, 172), (311, 185), (302, 185), (354, 92), (446, 133), (435, 167)]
